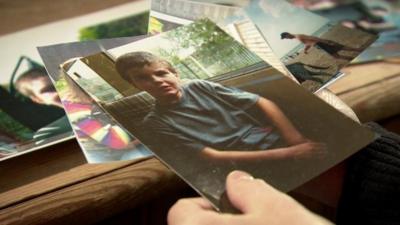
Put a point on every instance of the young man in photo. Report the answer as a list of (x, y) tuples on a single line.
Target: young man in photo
[(209, 117), (331, 47), (36, 85)]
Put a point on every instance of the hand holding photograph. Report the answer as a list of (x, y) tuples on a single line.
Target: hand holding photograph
[(205, 105)]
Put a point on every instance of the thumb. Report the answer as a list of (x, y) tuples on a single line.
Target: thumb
[(248, 194)]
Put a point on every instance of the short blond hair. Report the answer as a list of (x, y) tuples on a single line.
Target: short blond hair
[(138, 60)]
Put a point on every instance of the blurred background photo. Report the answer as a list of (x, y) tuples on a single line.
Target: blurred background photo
[(31, 113)]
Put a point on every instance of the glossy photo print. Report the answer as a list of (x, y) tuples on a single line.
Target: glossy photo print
[(372, 16), (31, 113), (100, 137), (312, 55), (31, 116), (168, 14), (320, 4), (205, 105)]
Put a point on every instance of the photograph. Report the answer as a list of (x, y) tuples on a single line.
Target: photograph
[(311, 55), (319, 4), (314, 53), (100, 137), (31, 116), (387, 46), (166, 15), (388, 10), (205, 105), (376, 17), (360, 16), (30, 113)]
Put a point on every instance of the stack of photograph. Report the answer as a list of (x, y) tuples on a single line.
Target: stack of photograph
[(207, 87), (32, 116), (215, 86)]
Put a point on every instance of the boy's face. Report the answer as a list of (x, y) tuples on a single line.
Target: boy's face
[(158, 80), (40, 90)]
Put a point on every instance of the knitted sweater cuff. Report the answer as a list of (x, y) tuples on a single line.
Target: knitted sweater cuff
[(371, 191)]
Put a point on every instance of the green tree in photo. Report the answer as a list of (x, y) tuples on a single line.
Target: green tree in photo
[(129, 26), (61, 84), (10, 126), (211, 47), (202, 35)]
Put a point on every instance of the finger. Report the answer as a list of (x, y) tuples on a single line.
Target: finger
[(248, 194), (201, 202), (183, 211), (198, 211)]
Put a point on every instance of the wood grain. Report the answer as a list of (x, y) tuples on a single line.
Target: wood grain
[(96, 199), (371, 90), (55, 186), (37, 165), (21, 14), (58, 181)]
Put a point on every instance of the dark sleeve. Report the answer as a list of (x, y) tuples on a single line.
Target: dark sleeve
[(236, 97), (371, 190), (161, 139)]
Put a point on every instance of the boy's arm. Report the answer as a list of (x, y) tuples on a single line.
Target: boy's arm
[(303, 150), (299, 146), (308, 46), (286, 128), (306, 38), (308, 41)]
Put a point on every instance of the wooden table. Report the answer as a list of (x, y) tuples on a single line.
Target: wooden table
[(56, 186)]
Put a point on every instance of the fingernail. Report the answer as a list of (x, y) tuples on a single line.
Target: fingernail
[(240, 175)]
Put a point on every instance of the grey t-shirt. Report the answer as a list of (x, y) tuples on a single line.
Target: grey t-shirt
[(209, 114)]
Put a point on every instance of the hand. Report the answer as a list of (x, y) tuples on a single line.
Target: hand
[(310, 149), (259, 203)]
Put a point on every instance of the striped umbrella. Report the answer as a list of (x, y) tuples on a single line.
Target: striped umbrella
[(109, 135), (112, 136)]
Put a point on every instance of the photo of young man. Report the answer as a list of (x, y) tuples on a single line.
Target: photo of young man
[(330, 47), (207, 106), (211, 118)]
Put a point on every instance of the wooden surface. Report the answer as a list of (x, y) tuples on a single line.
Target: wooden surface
[(16, 15), (25, 169), (371, 90), (55, 186), (90, 200)]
